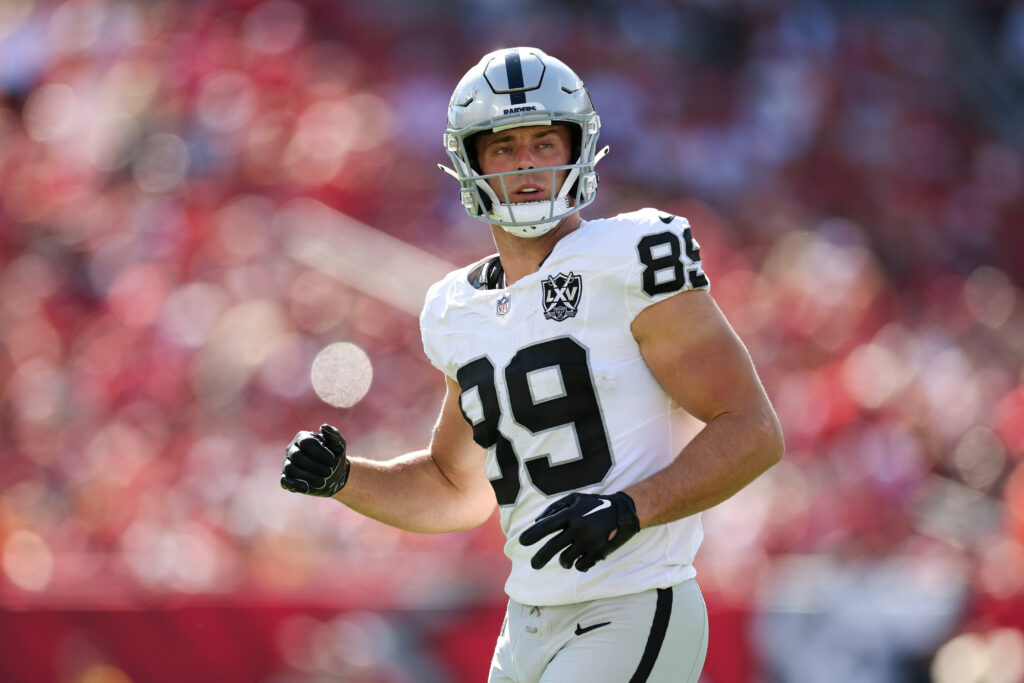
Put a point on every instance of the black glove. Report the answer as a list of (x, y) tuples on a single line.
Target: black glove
[(315, 464), (585, 523)]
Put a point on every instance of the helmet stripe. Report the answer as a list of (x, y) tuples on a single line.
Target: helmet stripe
[(514, 73)]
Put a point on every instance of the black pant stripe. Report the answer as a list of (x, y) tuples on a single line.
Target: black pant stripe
[(662, 612)]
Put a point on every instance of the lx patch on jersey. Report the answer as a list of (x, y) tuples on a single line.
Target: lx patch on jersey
[(561, 296)]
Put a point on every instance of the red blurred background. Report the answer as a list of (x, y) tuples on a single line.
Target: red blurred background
[(199, 197)]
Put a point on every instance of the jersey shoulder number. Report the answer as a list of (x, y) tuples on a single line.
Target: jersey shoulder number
[(670, 258)]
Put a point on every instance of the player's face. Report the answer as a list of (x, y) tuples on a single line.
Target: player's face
[(524, 148)]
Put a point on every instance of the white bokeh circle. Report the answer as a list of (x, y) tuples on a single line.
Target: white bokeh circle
[(341, 374)]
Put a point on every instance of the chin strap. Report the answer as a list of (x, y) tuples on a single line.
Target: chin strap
[(535, 214)]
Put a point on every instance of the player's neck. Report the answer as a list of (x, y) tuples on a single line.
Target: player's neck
[(521, 256)]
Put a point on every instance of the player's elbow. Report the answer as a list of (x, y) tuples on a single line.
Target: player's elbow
[(474, 511), (771, 444)]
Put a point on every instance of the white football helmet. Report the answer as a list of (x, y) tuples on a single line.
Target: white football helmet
[(522, 86)]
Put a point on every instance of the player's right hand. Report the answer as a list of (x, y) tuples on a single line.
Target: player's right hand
[(316, 464)]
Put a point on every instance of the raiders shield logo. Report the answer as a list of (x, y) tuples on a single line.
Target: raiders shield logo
[(561, 296)]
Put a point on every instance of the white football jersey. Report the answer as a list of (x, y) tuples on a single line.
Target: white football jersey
[(557, 392)]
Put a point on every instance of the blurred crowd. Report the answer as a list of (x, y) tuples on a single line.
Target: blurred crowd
[(854, 173)]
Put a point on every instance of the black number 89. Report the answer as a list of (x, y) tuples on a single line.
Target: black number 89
[(577, 405)]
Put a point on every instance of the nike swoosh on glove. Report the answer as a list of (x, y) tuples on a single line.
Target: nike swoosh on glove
[(589, 528)]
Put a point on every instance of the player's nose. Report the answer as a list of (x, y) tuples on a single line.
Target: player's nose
[(524, 158)]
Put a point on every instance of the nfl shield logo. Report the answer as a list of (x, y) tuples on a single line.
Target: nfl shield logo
[(504, 303), (561, 296)]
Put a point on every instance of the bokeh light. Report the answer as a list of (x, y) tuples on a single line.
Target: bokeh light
[(994, 657), (27, 561), (342, 374)]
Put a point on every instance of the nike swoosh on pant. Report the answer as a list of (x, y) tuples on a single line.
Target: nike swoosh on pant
[(580, 630), (603, 504)]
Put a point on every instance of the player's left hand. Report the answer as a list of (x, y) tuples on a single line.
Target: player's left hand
[(590, 527)]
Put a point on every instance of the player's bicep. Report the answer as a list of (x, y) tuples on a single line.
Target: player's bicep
[(458, 457), (697, 358)]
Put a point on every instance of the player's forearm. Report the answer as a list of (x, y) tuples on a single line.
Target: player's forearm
[(412, 493), (730, 452)]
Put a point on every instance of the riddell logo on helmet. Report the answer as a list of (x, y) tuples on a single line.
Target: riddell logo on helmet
[(513, 110)]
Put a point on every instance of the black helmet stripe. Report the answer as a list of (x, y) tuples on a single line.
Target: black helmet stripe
[(514, 73)]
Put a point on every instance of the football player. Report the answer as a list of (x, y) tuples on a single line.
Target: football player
[(565, 355)]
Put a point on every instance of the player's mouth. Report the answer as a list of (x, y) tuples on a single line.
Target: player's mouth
[(528, 193)]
